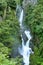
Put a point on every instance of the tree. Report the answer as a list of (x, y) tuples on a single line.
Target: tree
[(34, 20)]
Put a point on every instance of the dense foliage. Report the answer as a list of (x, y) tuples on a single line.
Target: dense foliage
[(34, 20), (9, 31)]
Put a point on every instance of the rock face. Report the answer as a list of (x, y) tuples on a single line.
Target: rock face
[(26, 2)]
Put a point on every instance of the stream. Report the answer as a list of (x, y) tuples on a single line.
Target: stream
[(25, 49)]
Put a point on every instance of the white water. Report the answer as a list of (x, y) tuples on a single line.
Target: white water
[(25, 51), (21, 18)]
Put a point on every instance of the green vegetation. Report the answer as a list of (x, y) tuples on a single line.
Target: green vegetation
[(9, 31), (34, 20)]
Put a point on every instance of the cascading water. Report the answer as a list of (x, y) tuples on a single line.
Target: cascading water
[(21, 18), (25, 51)]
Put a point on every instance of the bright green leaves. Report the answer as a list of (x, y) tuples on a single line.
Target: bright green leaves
[(4, 50), (4, 61)]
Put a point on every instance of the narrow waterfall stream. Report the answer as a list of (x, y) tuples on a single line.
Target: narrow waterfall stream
[(25, 51)]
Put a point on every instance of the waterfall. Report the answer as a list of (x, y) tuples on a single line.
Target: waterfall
[(21, 18), (25, 51)]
